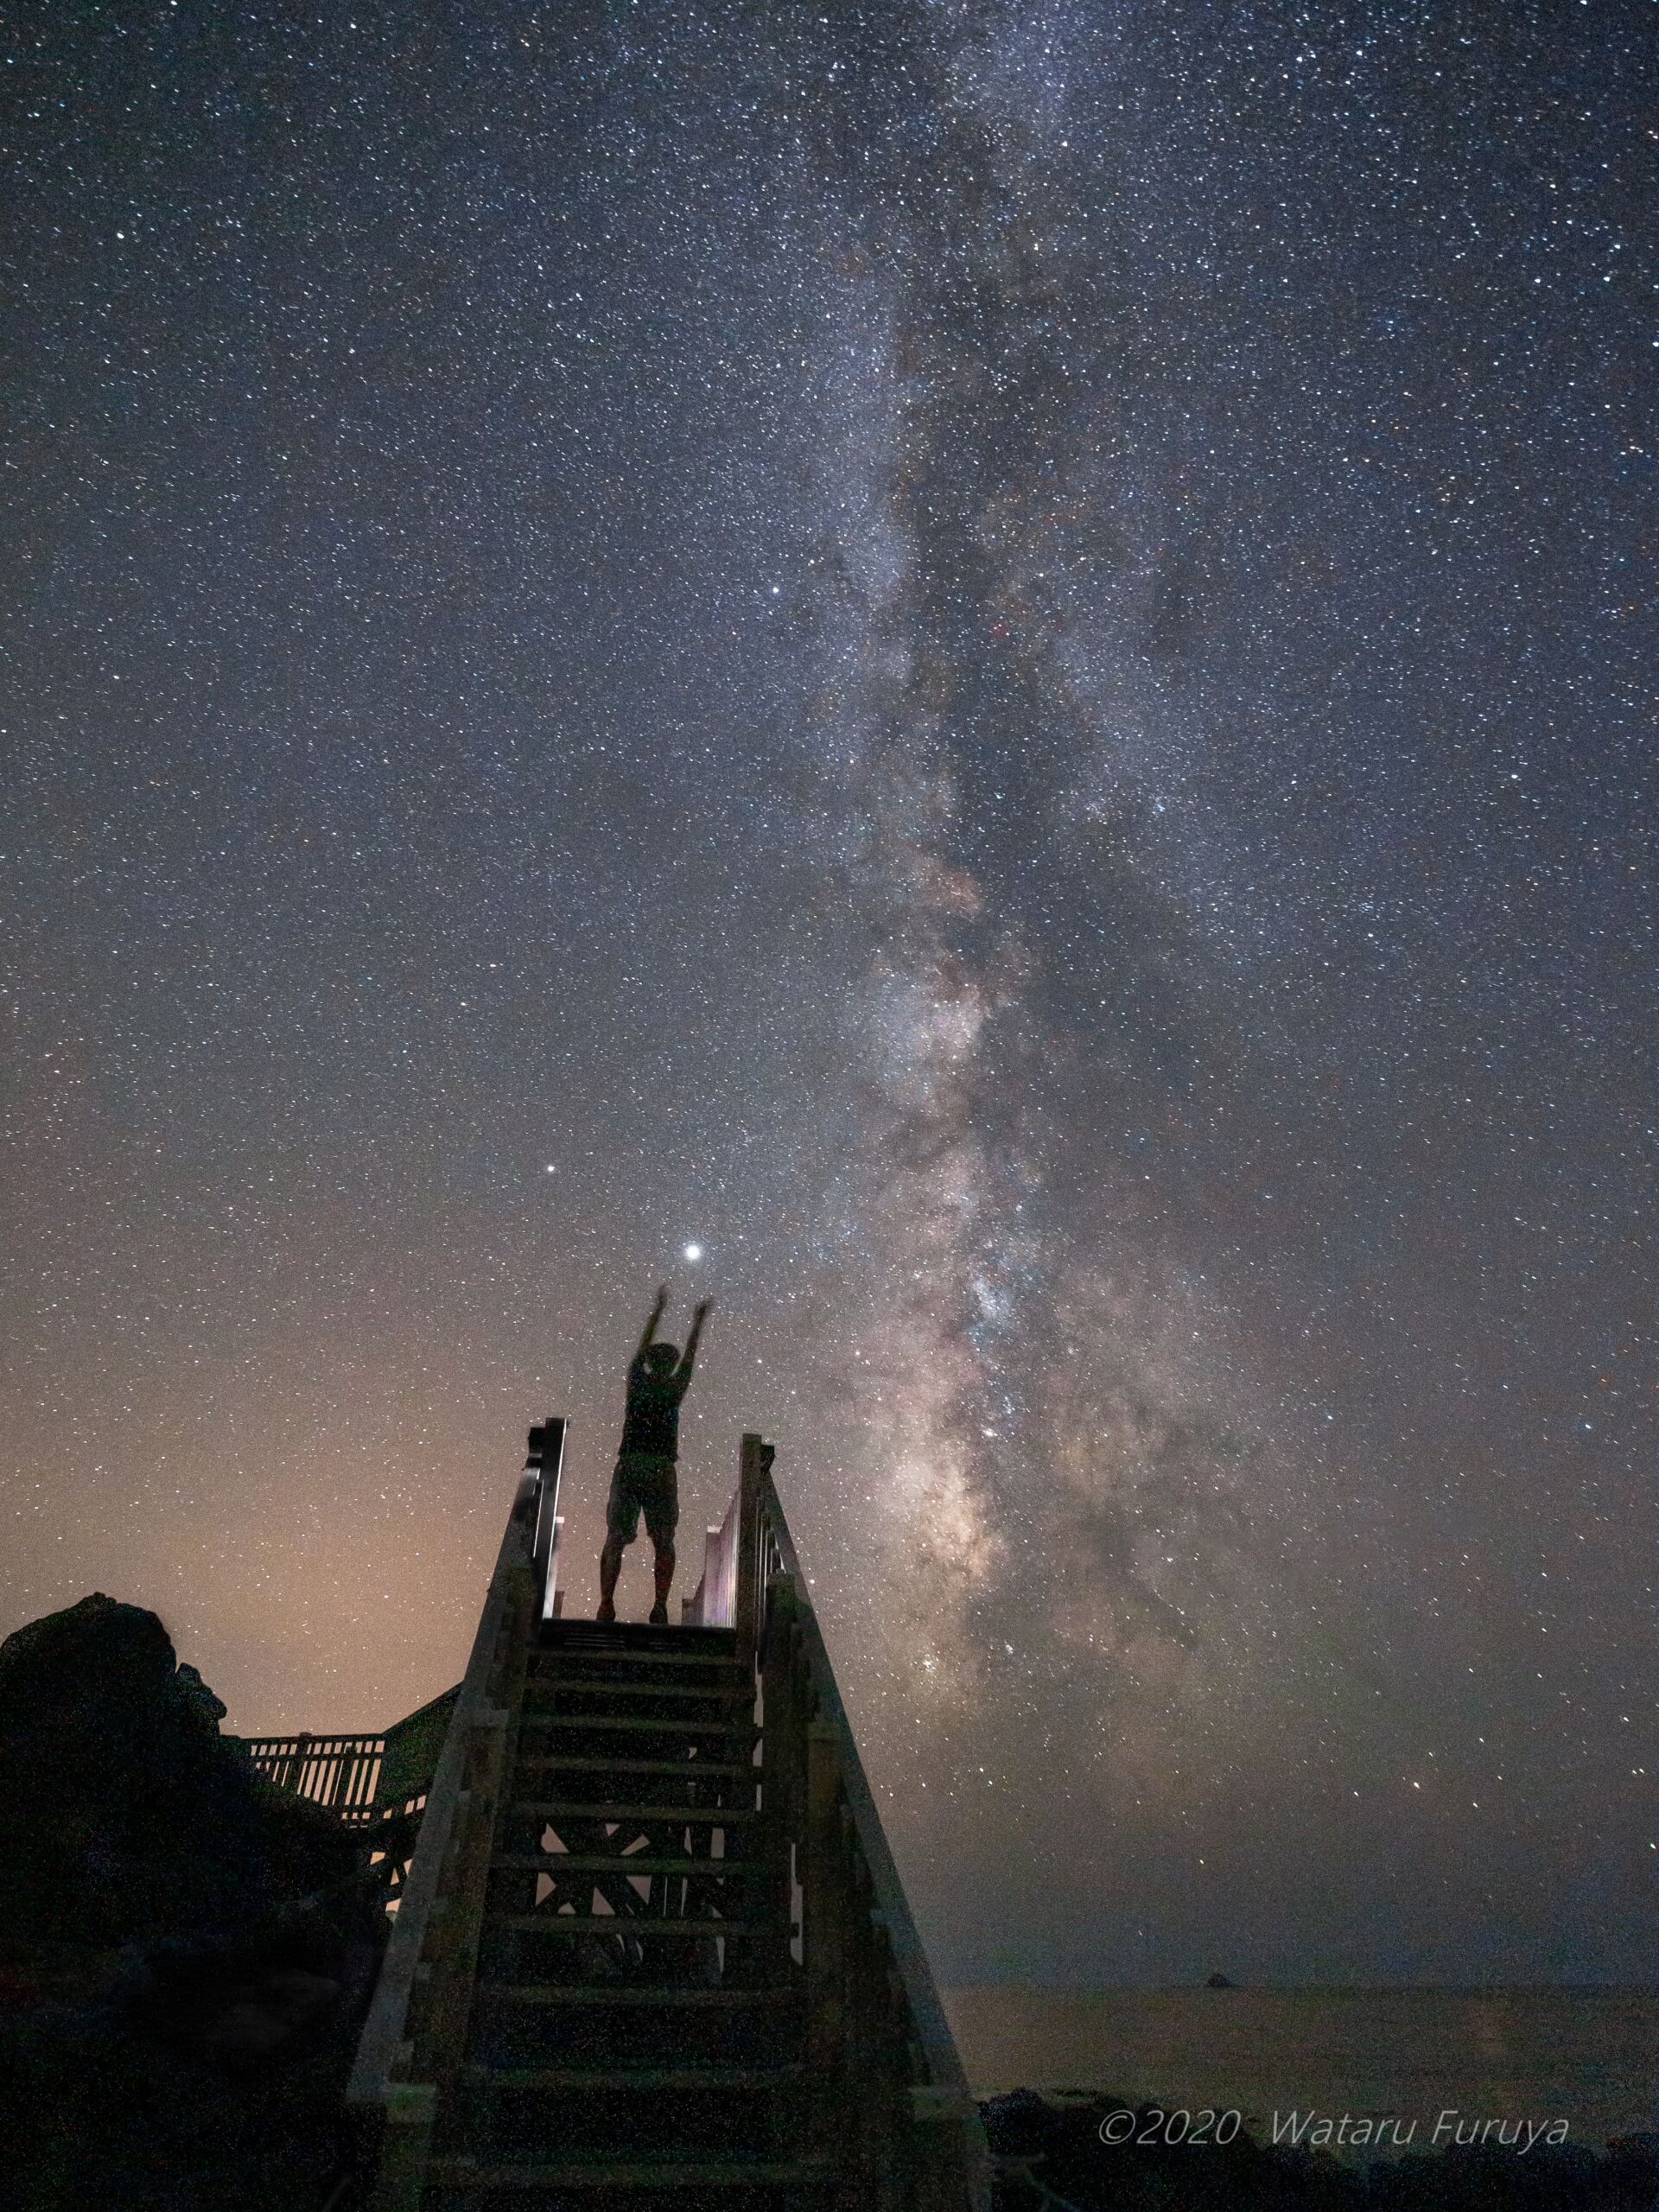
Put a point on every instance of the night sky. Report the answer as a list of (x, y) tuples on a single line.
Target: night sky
[(994, 659)]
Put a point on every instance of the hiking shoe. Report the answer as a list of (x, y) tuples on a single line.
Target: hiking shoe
[(607, 1610), (659, 1617)]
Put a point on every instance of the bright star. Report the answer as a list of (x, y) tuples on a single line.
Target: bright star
[(694, 1251)]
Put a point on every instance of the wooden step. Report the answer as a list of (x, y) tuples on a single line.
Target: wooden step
[(637, 2077), (627, 1993), (622, 1862), (591, 1686), (655, 1816), (666, 2173), (573, 1635), (637, 1724), (609, 1676), (689, 1770), (547, 1666), (530, 2019), (627, 1923), (565, 1625)]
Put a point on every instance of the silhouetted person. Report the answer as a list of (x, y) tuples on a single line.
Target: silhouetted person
[(646, 1478)]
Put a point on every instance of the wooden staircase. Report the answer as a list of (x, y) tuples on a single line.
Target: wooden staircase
[(628, 1970)]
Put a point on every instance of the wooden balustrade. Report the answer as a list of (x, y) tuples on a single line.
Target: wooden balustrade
[(414, 2039), (890, 2102), (340, 1772), (713, 1603), (893, 2101)]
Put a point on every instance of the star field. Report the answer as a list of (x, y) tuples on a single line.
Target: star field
[(976, 678)]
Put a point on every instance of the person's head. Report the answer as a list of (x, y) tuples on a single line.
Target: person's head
[(661, 1358)]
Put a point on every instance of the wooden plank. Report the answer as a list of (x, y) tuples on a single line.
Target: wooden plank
[(633, 1657), (562, 1992), (570, 1862), (622, 1924), (659, 2173), (637, 2077), (642, 1816), (687, 1769), (651, 1724), (725, 1694), (413, 1747)]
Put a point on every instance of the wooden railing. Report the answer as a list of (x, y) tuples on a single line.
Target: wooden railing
[(712, 1604), (413, 2041), (339, 1772), (546, 1463), (375, 1785), (893, 2104)]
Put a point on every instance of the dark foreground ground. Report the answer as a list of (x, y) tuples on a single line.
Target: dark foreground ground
[(186, 1954), (119, 2116)]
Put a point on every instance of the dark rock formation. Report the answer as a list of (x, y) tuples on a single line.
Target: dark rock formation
[(185, 1950), (125, 1815)]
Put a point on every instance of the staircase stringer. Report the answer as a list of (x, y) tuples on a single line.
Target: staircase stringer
[(408, 2048), (440, 2048)]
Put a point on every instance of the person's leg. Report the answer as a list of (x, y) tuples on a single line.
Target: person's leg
[(610, 1565), (661, 1517), (621, 1526), (664, 1568)]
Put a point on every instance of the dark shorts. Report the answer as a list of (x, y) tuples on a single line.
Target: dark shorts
[(643, 1484)]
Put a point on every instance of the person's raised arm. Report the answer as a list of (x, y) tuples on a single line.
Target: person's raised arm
[(657, 1313), (689, 1358)]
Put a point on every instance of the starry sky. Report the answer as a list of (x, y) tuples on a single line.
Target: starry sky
[(993, 658)]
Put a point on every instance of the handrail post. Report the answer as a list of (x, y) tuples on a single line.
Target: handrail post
[(545, 1460), (405, 2143), (753, 1460), (952, 2169)]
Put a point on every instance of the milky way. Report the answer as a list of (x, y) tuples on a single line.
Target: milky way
[(992, 661)]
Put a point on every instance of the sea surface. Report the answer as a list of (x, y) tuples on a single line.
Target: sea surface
[(1589, 2057)]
